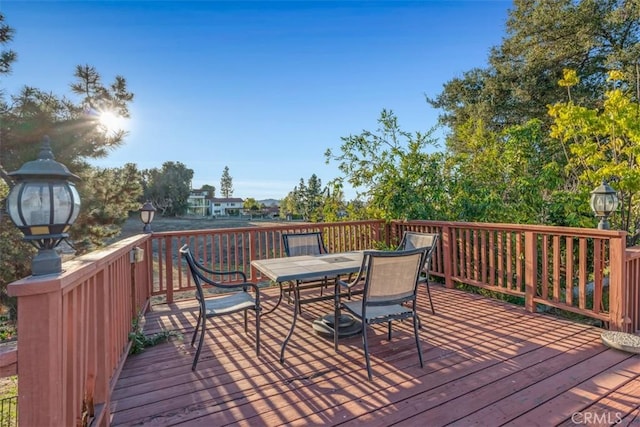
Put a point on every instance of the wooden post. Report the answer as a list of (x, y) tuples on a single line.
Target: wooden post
[(447, 258), (40, 381), (530, 270), (168, 259), (619, 319), (253, 238)]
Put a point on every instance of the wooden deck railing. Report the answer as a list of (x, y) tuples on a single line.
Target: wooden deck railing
[(235, 248), (74, 334), (579, 270), (74, 327)]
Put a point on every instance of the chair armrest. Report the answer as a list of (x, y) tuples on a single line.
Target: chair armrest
[(342, 283), (351, 283), (214, 284), (224, 273), (229, 286)]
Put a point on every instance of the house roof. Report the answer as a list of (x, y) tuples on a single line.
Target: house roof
[(227, 199)]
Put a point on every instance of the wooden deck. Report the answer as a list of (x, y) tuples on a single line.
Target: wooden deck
[(486, 363)]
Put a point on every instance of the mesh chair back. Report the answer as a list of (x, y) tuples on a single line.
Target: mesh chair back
[(303, 244), (392, 276), (195, 274), (414, 240)]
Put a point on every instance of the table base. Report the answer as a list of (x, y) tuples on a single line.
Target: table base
[(347, 326)]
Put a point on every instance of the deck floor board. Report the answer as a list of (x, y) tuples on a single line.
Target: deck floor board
[(486, 362)]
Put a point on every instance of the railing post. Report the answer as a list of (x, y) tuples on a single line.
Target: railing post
[(40, 355), (253, 236), (619, 319), (530, 270), (168, 260), (103, 343), (387, 233), (447, 258)]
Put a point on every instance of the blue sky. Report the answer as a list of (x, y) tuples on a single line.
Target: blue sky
[(265, 87)]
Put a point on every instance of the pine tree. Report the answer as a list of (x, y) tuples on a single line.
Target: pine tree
[(226, 183)]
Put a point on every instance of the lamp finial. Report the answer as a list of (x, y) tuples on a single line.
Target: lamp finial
[(45, 150)]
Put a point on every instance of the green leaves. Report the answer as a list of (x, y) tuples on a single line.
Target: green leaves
[(393, 171), (604, 144), (168, 188), (226, 183)]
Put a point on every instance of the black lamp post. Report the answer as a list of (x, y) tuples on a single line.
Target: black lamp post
[(604, 201), (147, 212), (43, 204)]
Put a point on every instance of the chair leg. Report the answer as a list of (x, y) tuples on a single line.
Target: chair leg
[(336, 315), (366, 348), (289, 292), (389, 330), (202, 334), (195, 331), (297, 291), (245, 321), (257, 333), (429, 294), (415, 331)]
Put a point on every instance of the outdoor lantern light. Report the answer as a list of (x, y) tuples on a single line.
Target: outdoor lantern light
[(43, 204), (147, 212), (604, 200)]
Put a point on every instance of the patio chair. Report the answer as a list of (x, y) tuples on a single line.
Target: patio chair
[(229, 303), (390, 282), (412, 240), (310, 243)]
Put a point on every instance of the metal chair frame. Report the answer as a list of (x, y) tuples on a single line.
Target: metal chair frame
[(223, 305), (311, 244), (413, 239), (378, 270)]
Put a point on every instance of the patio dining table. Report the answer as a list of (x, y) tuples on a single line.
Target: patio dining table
[(297, 268)]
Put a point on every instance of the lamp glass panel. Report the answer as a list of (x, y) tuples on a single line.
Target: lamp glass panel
[(597, 203), (146, 216), (62, 204), (66, 203), (76, 203), (611, 202), (35, 204), (12, 205)]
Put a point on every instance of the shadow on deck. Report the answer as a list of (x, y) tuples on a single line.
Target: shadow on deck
[(486, 362)]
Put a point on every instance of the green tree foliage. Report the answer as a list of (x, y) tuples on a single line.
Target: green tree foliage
[(226, 183), (168, 188), (392, 169), (503, 177), (313, 199), (307, 200), (115, 193), (74, 128), (288, 206), (7, 56), (15, 255), (211, 189), (604, 144), (543, 38), (76, 136), (251, 204), (333, 204)]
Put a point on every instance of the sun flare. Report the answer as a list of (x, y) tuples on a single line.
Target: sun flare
[(112, 122)]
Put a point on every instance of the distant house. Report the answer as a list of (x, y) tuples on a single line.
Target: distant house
[(199, 203), (271, 211), (226, 206)]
